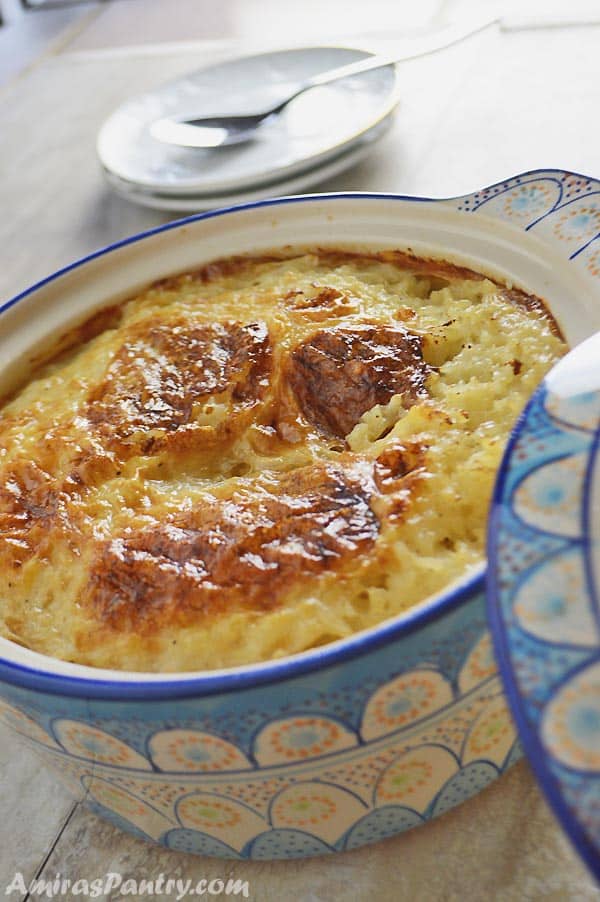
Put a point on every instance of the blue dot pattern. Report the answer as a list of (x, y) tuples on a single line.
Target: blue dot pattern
[(380, 824), (185, 840), (468, 781), (287, 844)]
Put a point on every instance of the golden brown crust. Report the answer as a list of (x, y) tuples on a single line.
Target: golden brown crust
[(193, 470), (231, 266), (36, 505), (531, 302), (396, 461), (399, 468), (61, 347), (164, 374), (405, 260), (31, 506), (107, 318), (218, 269), (320, 304), (239, 552), (338, 374)]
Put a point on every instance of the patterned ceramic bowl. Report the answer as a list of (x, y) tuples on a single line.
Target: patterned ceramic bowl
[(544, 589), (352, 742)]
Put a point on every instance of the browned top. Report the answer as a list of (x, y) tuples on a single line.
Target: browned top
[(243, 551), (531, 302), (406, 260), (320, 303), (218, 269), (30, 503), (165, 369), (107, 318), (182, 383), (338, 374)]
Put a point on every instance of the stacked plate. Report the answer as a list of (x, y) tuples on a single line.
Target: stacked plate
[(317, 136)]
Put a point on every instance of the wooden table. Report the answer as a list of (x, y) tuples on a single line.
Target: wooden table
[(497, 105)]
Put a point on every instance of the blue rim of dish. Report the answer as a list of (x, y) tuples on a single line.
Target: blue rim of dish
[(532, 745), (247, 677)]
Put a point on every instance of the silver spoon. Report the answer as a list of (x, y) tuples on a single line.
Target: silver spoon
[(220, 131)]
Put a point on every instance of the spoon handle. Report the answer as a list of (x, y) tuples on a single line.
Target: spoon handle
[(413, 47)]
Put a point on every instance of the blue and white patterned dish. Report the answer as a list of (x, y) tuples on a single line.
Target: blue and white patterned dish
[(354, 741), (544, 589)]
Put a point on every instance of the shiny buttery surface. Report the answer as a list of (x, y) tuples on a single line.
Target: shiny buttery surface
[(260, 457)]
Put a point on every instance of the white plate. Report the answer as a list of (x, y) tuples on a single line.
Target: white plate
[(196, 203), (314, 128)]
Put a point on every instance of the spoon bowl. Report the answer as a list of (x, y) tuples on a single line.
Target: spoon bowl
[(214, 131), (220, 131)]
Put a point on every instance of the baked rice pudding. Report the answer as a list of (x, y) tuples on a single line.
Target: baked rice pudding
[(260, 457)]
